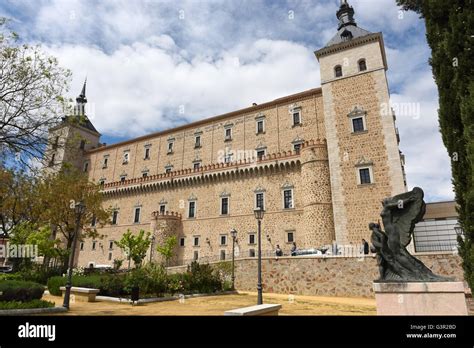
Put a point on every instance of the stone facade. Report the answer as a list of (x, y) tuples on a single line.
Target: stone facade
[(327, 276), (301, 147)]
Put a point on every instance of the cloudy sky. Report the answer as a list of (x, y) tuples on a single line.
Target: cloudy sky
[(152, 64)]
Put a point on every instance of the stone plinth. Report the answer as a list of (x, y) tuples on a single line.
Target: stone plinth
[(420, 298)]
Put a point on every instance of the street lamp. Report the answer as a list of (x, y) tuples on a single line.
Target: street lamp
[(151, 247), (259, 211), (459, 231), (233, 233), (79, 209)]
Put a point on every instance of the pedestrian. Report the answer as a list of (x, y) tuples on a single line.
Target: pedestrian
[(365, 246), (293, 249), (278, 251)]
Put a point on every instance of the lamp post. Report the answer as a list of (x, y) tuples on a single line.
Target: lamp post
[(259, 211), (233, 233), (151, 247), (79, 209)]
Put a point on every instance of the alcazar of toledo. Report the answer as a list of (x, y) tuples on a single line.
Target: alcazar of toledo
[(318, 162)]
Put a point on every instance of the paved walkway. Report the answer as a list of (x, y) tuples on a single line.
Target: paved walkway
[(217, 305)]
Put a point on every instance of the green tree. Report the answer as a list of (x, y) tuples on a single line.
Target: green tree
[(167, 248), (134, 246), (449, 34), (18, 199), (31, 88)]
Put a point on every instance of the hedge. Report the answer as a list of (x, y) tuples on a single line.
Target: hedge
[(107, 284), (26, 305), (18, 290)]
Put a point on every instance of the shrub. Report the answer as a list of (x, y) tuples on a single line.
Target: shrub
[(54, 283), (38, 274), (179, 283), (25, 305), (18, 290), (203, 278), (151, 279), (10, 276), (109, 285)]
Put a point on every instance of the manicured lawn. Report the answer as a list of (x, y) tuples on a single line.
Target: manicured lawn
[(217, 305)]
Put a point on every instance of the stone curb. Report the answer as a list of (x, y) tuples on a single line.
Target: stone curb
[(8, 312), (161, 299)]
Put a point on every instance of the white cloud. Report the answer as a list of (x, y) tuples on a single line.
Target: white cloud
[(140, 88)]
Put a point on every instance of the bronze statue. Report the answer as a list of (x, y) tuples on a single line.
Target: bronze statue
[(399, 216)]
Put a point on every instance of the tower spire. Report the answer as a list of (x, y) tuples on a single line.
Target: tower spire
[(345, 15), (81, 101)]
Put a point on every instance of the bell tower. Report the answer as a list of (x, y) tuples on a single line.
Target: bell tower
[(362, 140), (68, 141)]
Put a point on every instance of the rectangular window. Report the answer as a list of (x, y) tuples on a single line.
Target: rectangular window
[(170, 147), (224, 205), (252, 252), (364, 174), (290, 238), (222, 257), (260, 127), (251, 239), (136, 218), (196, 255), (197, 141), (196, 241), (147, 153), (162, 209), (192, 210), (228, 134), (122, 178), (259, 200), (297, 148), (228, 158), (111, 245), (168, 170), (260, 154), (86, 166), (93, 220), (81, 246), (106, 160), (94, 244), (114, 217), (101, 182), (288, 199), (296, 118), (110, 256), (82, 146), (181, 242), (144, 175), (126, 157), (223, 240), (358, 124), (197, 165)]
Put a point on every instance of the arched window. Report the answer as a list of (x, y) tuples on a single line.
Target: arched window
[(362, 65), (338, 71)]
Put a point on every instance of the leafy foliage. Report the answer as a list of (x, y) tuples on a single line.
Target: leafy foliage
[(32, 84), (449, 34), (134, 246), (25, 305), (18, 290), (168, 248)]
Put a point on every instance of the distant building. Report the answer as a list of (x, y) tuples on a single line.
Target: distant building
[(3, 243), (319, 162), (439, 229)]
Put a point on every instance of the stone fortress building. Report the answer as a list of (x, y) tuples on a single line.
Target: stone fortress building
[(319, 162)]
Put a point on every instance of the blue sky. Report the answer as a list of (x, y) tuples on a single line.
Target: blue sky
[(152, 65)]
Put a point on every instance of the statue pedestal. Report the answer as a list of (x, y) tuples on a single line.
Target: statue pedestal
[(420, 298)]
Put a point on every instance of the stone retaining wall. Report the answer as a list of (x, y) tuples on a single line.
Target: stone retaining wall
[(328, 276)]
